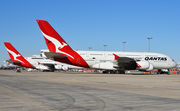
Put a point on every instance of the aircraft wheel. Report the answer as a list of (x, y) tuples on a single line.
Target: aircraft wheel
[(111, 72), (104, 72), (121, 72)]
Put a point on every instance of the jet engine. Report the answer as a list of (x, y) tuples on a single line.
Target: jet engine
[(65, 68), (149, 69), (61, 67), (142, 65), (58, 66)]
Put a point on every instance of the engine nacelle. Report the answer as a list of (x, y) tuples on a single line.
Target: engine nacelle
[(65, 68), (149, 69), (57, 66), (142, 65)]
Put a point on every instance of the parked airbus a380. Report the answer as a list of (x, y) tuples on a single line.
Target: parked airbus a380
[(30, 62), (119, 61)]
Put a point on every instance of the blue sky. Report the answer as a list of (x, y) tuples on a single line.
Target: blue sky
[(92, 23)]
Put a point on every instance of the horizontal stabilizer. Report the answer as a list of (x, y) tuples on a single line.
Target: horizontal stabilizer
[(51, 55), (11, 61)]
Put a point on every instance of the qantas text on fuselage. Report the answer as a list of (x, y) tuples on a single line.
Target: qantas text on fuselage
[(156, 58)]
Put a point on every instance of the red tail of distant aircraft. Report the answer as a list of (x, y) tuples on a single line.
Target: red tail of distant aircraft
[(32, 62), (16, 57)]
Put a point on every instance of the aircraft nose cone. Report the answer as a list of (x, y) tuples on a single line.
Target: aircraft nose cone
[(174, 64)]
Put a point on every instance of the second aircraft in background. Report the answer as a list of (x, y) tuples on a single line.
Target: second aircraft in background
[(33, 62)]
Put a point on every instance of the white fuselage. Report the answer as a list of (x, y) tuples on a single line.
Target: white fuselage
[(159, 61), (42, 63)]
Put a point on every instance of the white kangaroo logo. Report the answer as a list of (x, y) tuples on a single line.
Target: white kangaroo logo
[(62, 45), (15, 55), (57, 44)]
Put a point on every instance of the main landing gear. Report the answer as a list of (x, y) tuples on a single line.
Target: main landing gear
[(163, 71), (113, 72)]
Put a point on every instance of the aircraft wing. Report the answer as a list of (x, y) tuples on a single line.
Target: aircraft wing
[(51, 55), (126, 63), (50, 66)]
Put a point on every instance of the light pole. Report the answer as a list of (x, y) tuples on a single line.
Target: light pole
[(104, 47), (149, 42), (123, 46), (90, 48)]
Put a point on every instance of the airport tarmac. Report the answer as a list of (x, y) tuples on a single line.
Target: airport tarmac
[(68, 91)]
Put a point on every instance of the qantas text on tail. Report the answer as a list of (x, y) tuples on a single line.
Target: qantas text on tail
[(62, 52)]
